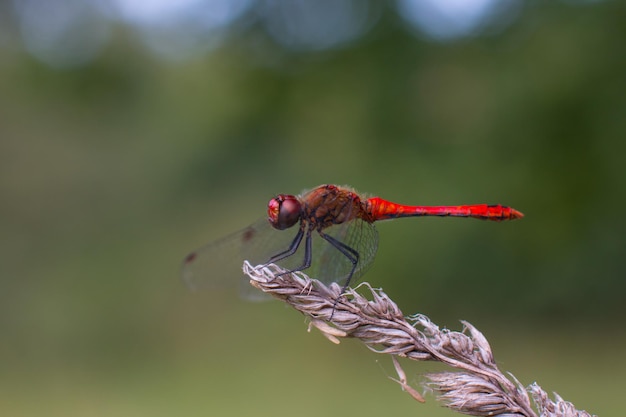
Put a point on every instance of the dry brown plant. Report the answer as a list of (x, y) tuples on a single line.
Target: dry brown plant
[(475, 387)]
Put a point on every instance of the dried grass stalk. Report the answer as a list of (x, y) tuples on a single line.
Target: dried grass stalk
[(477, 387)]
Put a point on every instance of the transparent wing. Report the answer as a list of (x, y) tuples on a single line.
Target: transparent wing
[(219, 264), (331, 265)]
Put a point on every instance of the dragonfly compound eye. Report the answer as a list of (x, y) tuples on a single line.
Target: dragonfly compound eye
[(283, 211)]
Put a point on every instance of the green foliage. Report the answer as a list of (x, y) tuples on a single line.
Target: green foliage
[(111, 172)]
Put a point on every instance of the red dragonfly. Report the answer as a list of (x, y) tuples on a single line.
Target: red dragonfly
[(337, 227)]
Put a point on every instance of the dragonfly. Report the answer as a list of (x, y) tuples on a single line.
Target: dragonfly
[(334, 238)]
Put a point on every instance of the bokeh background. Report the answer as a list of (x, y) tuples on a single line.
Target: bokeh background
[(132, 132)]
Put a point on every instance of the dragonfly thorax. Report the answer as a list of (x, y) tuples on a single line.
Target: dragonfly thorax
[(283, 211)]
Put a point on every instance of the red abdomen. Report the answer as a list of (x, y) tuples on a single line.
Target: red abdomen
[(380, 209)]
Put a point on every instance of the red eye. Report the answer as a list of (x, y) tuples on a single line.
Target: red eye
[(283, 211)]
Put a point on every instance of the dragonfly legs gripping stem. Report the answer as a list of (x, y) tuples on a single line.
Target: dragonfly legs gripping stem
[(347, 251), (353, 257), (293, 248)]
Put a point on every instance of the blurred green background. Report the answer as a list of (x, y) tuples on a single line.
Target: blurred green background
[(134, 132)]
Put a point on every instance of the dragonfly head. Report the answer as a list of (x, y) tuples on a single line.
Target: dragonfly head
[(283, 211)]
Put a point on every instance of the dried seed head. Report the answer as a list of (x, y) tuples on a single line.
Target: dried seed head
[(479, 388)]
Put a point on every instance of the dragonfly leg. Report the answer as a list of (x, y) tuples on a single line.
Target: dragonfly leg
[(293, 248), (308, 254), (347, 251), (308, 251)]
